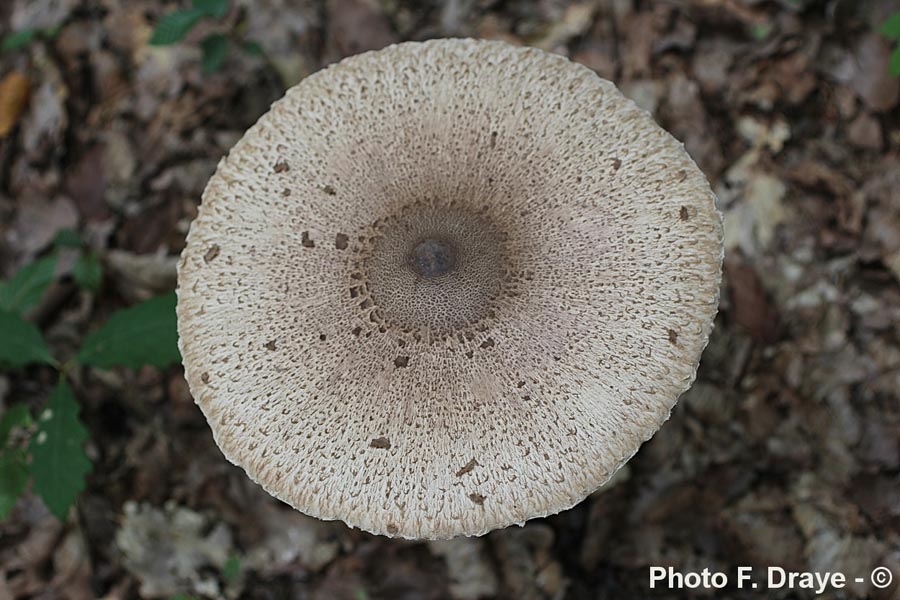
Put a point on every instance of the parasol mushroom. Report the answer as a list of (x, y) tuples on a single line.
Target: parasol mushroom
[(446, 287)]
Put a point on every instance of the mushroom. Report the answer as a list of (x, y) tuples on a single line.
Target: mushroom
[(446, 287)]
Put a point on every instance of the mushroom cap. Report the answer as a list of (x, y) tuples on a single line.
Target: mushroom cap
[(446, 287)]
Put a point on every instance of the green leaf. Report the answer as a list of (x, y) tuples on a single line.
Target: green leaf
[(21, 342), (891, 27), (231, 570), (88, 272), (25, 289), (894, 65), (18, 39), (145, 334), (211, 8), (174, 26), (67, 238), (215, 49), (13, 479), (253, 48), (58, 461), (16, 416)]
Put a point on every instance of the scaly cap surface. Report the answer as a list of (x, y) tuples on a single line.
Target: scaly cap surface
[(446, 287)]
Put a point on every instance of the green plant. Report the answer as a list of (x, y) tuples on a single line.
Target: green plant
[(891, 29), (49, 450), (174, 26), (231, 570), (23, 37), (87, 271)]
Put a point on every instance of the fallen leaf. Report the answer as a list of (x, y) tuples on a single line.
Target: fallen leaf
[(38, 221), (33, 554), (44, 126), (290, 537), (865, 132), (638, 46), (356, 26), (140, 276), (713, 59), (43, 14), (470, 569), (751, 306), (759, 527), (85, 182), (72, 567), (168, 549), (525, 556), (683, 111), (577, 20), (14, 91), (871, 79), (764, 194)]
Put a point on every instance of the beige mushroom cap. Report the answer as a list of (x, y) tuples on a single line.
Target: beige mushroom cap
[(446, 287)]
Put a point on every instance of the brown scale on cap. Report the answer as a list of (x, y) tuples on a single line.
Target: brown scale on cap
[(433, 256)]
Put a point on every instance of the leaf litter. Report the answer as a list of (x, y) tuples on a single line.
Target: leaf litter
[(785, 451)]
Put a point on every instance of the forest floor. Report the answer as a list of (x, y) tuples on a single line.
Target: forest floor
[(785, 452)]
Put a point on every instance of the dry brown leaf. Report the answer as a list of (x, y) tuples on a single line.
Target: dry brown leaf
[(871, 79), (37, 222), (356, 26), (752, 308), (14, 91)]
